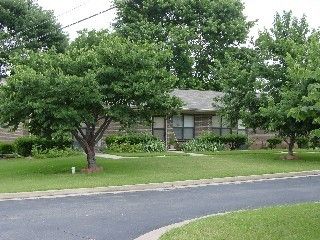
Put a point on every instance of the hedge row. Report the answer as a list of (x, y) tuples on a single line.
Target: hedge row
[(134, 142), (233, 141), (24, 145)]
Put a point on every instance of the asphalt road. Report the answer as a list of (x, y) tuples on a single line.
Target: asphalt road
[(128, 215)]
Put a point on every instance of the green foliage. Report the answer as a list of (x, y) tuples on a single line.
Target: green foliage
[(154, 146), (208, 142), (130, 138), (124, 148), (100, 78), (286, 39), (20, 28), (235, 141), (25, 145), (262, 88), (198, 145), (273, 142), (6, 148), (210, 137), (315, 142), (38, 152), (303, 142), (198, 32), (134, 142)]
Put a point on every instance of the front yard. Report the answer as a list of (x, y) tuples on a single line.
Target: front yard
[(17, 175), (297, 222)]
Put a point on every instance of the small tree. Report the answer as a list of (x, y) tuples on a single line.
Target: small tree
[(259, 87), (101, 78), (287, 35), (304, 68)]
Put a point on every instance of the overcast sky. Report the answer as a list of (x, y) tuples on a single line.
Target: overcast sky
[(69, 11)]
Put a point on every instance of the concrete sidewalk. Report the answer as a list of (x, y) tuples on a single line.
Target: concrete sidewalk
[(151, 186)]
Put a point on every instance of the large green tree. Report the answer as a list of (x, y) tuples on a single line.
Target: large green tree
[(24, 24), (199, 33), (100, 78), (305, 70), (286, 36), (258, 84), (240, 82)]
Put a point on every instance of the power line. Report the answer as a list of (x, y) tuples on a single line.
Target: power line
[(87, 18), (67, 26), (83, 3)]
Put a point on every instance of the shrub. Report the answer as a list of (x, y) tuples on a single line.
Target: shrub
[(24, 145), (125, 147), (7, 148), (315, 142), (199, 145), (273, 142), (235, 141), (303, 142), (130, 138), (54, 152), (210, 137), (154, 146), (134, 142)]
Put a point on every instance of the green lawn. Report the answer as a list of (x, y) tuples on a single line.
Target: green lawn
[(153, 154), (42, 174), (297, 222)]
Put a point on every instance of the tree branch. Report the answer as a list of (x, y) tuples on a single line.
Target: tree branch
[(102, 129)]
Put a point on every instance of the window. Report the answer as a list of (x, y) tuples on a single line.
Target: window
[(183, 127), (159, 128), (221, 127)]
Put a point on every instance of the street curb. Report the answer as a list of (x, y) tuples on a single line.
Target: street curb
[(150, 186), (158, 233)]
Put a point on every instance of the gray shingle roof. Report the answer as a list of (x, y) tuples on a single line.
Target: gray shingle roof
[(198, 100)]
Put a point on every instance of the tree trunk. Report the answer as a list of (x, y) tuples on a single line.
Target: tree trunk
[(91, 158), (291, 143)]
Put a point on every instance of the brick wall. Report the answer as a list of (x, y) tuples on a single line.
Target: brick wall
[(202, 123), (8, 136)]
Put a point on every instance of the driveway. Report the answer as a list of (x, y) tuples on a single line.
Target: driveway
[(128, 215)]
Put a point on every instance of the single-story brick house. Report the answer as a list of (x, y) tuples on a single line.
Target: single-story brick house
[(198, 114)]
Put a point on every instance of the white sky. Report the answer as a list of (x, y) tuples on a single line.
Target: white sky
[(263, 10)]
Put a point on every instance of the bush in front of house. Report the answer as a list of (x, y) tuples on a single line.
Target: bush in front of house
[(235, 141), (210, 142), (24, 145), (130, 138), (303, 142), (7, 148), (54, 152), (210, 137), (199, 145), (274, 142), (134, 143)]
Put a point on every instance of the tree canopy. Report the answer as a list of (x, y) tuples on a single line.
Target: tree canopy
[(24, 24), (199, 33), (100, 78), (260, 88)]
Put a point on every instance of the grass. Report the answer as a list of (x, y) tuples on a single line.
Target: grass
[(153, 154), (297, 222), (18, 175)]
